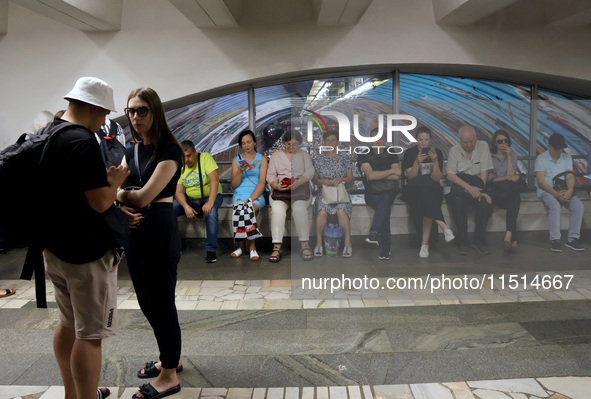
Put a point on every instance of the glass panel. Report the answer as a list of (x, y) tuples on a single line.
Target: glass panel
[(444, 104), (213, 126), (569, 116), (298, 106)]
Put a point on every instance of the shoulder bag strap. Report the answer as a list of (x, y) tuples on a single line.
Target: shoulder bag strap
[(200, 179), (136, 160)]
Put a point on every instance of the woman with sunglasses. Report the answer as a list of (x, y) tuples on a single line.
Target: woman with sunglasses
[(503, 183), (249, 178), (154, 250)]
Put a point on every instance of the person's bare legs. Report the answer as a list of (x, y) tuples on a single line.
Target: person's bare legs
[(253, 246), (79, 362), (345, 223), (86, 366), (321, 220), (63, 342), (166, 379), (427, 223), (441, 225)]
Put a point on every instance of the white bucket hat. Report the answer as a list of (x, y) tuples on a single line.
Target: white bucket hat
[(93, 91)]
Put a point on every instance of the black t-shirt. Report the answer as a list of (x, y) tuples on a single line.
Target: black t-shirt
[(426, 167), (168, 151), (378, 162), (72, 230)]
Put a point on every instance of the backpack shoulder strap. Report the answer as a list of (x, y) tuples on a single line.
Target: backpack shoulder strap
[(52, 131)]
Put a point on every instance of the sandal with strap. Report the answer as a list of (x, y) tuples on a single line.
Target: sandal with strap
[(236, 253), (100, 394), (307, 253), (151, 371), (276, 258), (149, 392), (254, 255), (318, 251), (347, 252), (8, 292)]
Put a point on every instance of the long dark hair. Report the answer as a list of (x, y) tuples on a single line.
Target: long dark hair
[(159, 132), (246, 133), (493, 141)]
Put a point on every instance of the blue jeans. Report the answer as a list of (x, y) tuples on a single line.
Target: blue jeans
[(382, 205), (576, 209), (212, 221)]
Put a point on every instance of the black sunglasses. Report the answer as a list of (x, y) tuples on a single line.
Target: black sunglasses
[(501, 141), (141, 111)]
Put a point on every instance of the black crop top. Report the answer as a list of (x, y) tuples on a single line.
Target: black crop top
[(170, 151)]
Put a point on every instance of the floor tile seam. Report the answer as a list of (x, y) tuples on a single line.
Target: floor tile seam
[(410, 390)]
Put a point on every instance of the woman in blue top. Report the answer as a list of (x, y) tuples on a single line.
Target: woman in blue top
[(249, 173)]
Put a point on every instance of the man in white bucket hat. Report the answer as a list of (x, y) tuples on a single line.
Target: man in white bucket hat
[(78, 244)]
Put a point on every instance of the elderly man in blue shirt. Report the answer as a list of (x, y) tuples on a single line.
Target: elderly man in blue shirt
[(549, 164)]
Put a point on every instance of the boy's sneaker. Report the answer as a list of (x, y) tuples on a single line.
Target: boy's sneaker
[(424, 252), (210, 257), (384, 255), (448, 234), (373, 238), (555, 246), (574, 244)]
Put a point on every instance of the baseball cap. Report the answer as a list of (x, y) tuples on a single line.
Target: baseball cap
[(556, 140), (93, 91)]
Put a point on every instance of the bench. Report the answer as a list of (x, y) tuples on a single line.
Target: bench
[(532, 217)]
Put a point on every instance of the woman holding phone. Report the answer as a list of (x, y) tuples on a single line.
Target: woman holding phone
[(422, 166), (249, 174)]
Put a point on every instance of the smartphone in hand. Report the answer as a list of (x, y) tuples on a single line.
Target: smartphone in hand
[(243, 162), (426, 150)]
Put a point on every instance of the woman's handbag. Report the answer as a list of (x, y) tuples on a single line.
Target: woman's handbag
[(302, 193), (335, 194)]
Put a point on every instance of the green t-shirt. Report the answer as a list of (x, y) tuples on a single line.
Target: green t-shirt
[(190, 177)]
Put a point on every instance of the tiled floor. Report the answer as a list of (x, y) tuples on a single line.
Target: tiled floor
[(251, 332), (524, 388), (284, 294)]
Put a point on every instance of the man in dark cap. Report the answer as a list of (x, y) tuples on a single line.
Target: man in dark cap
[(556, 182)]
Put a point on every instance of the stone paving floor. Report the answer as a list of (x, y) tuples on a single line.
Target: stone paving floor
[(250, 330), (524, 388)]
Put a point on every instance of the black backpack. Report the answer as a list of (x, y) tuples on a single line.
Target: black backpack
[(21, 181), (112, 150)]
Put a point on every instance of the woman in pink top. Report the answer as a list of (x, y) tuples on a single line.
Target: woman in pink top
[(288, 170)]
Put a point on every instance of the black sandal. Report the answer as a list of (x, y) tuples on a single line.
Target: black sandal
[(307, 256), (149, 392), (150, 370), (100, 394), (275, 258)]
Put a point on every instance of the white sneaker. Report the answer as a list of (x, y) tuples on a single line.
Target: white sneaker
[(448, 234), (424, 252)]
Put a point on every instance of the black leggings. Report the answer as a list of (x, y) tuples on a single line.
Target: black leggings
[(153, 254)]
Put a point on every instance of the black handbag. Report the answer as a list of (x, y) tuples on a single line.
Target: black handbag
[(504, 187), (472, 180), (559, 184)]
